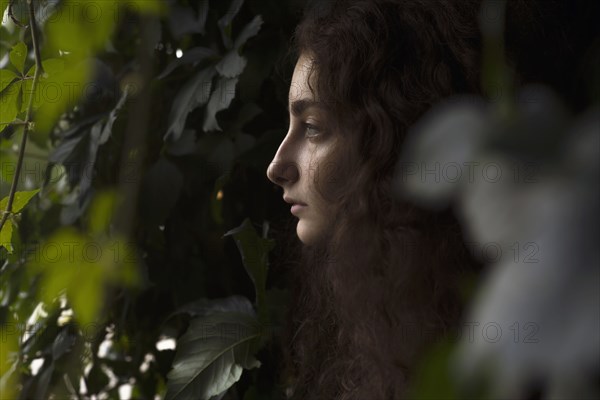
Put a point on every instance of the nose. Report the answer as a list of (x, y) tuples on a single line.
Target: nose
[(282, 173), (283, 170)]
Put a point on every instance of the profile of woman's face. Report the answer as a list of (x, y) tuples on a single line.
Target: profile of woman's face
[(307, 162)]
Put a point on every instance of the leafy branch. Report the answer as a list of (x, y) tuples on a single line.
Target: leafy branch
[(27, 123)]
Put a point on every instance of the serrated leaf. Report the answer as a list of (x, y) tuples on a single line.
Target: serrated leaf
[(212, 354), (17, 56), (194, 93), (6, 78), (220, 99), (249, 31), (231, 65)]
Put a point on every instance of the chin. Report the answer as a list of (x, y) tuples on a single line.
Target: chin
[(305, 234), (308, 233)]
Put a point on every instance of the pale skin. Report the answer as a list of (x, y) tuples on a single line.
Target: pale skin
[(305, 157)]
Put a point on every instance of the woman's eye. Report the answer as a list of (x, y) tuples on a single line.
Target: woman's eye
[(311, 130)]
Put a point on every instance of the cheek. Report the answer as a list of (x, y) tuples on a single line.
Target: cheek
[(330, 175)]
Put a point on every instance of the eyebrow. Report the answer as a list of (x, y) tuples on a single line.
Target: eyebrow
[(299, 106)]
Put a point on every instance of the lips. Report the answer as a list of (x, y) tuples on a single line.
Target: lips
[(297, 205), (294, 202)]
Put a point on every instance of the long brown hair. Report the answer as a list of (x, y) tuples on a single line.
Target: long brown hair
[(384, 284), (369, 300)]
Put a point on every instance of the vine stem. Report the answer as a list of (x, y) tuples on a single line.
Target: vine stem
[(38, 71)]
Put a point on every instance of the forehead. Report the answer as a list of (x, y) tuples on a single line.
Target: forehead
[(299, 88)]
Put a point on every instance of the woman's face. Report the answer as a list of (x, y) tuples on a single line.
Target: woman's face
[(308, 160)]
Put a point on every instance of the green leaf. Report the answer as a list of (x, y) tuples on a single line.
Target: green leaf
[(101, 212), (52, 66), (81, 266), (60, 91), (21, 199), (85, 26), (213, 352), (18, 55), (9, 107), (6, 236), (46, 90), (255, 256), (3, 5), (6, 78), (220, 99)]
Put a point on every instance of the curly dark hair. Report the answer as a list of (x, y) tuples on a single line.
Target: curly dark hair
[(370, 299)]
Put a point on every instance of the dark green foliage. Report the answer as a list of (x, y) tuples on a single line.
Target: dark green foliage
[(215, 116)]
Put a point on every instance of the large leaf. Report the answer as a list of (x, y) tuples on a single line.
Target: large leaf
[(194, 93), (255, 256), (82, 27), (213, 352), (220, 99), (46, 93), (231, 65), (18, 55), (6, 77), (21, 199)]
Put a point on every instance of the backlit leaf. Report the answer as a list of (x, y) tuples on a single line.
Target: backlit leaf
[(9, 108), (18, 54), (6, 77), (83, 27), (21, 199), (6, 236)]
